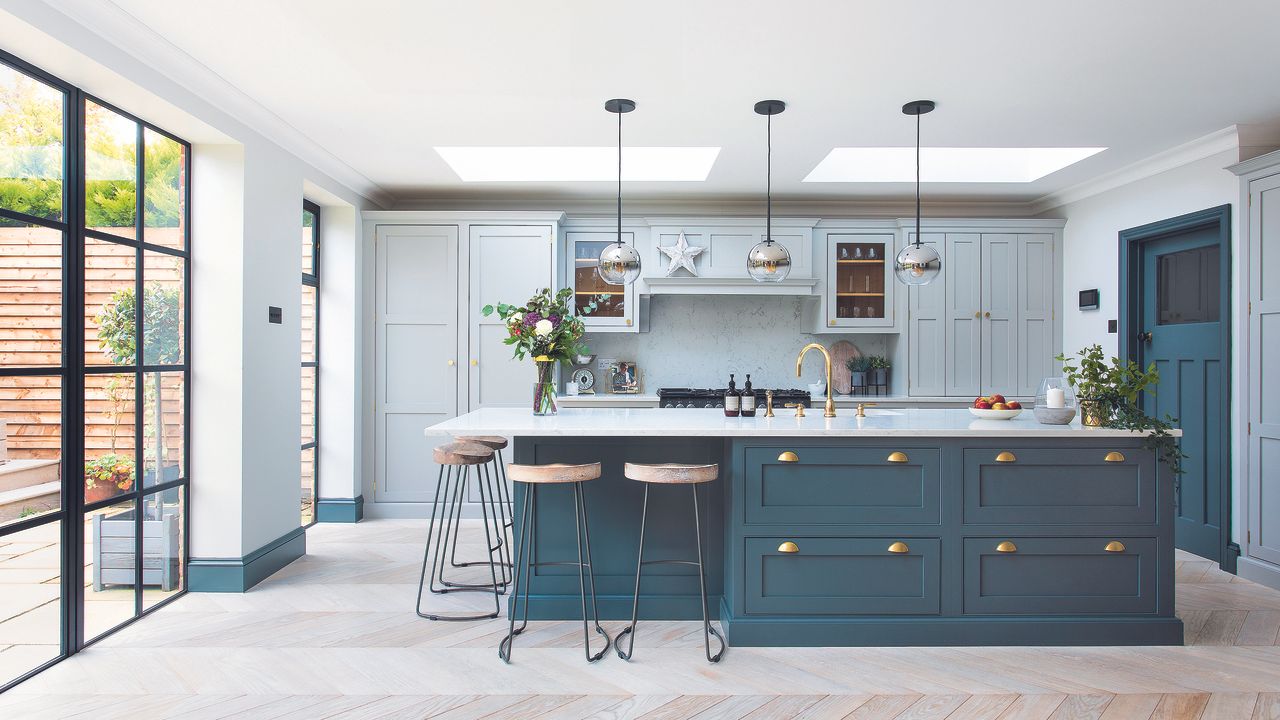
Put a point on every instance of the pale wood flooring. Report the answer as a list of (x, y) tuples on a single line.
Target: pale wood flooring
[(333, 635)]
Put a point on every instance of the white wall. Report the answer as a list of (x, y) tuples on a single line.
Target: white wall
[(246, 224), (1091, 253)]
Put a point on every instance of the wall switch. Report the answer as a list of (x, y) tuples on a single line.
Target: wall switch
[(275, 315), (1112, 326)]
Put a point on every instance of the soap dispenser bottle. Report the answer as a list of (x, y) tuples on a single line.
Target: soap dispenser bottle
[(747, 404), (732, 401)]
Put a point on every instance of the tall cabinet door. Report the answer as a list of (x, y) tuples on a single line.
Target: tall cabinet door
[(927, 318), (1264, 352), (508, 265), (964, 279), (1035, 312), (999, 290), (415, 353)]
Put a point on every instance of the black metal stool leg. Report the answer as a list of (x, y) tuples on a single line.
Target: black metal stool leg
[(523, 556), (707, 630), (584, 531), (426, 551), (635, 598), (448, 490)]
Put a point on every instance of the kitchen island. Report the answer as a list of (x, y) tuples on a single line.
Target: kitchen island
[(904, 527)]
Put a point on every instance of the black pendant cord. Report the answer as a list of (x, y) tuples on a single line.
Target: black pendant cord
[(619, 240), (918, 181), (768, 180)]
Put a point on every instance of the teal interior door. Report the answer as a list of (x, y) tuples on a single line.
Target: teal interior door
[(1180, 330)]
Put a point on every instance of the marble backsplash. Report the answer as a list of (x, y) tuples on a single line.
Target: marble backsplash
[(697, 340)]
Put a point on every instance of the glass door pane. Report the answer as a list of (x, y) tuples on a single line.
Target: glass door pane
[(31, 438), (859, 280), (164, 545), (31, 145), (30, 295), (110, 550), (30, 599), (587, 284)]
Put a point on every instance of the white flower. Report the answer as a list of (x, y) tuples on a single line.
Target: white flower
[(542, 328), (517, 317)]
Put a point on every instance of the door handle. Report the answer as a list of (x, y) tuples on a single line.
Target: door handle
[(1145, 337)]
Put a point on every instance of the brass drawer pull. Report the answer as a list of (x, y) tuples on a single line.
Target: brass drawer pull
[(899, 547), (1115, 546), (1006, 457), (1114, 456), (788, 456), (897, 457), (788, 547), (1007, 547)]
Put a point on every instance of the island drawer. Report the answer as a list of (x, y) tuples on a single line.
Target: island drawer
[(842, 486), (842, 576), (1059, 575), (1082, 486)]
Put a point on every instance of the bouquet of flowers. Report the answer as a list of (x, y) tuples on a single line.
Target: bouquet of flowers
[(545, 329)]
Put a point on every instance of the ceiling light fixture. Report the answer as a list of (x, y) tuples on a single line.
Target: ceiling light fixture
[(769, 261), (946, 164), (917, 264), (619, 262)]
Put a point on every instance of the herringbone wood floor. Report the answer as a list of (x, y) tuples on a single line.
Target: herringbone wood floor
[(333, 635)]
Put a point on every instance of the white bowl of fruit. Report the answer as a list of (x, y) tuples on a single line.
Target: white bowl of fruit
[(995, 407)]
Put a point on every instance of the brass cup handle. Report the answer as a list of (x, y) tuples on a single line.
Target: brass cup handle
[(1114, 456), (788, 547), (1006, 457), (1115, 546), (451, 363), (899, 547), (475, 363), (788, 457), (1007, 547), (897, 456)]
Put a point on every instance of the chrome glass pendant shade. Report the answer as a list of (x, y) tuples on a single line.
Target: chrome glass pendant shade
[(769, 261), (619, 262), (917, 264)]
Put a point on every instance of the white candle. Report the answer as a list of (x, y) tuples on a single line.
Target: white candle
[(1056, 398)]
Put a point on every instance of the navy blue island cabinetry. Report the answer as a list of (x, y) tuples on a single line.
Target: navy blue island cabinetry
[(917, 527)]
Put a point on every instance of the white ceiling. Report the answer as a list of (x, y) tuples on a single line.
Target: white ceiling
[(379, 83)]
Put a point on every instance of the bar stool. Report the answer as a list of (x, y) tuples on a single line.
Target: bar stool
[(534, 476), (456, 460), (501, 502), (670, 474)]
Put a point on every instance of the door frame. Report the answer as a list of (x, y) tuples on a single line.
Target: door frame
[(1131, 242)]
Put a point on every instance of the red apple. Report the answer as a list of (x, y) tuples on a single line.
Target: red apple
[(982, 405), (999, 406), (997, 398), (1014, 405)]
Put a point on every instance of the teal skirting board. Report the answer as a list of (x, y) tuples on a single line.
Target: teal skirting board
[(240, 574), (340, 510)]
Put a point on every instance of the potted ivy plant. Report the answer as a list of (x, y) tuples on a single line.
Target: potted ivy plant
[(1110, 392)]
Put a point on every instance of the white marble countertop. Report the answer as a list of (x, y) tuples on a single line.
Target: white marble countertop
[(672, 422), (609, 399)]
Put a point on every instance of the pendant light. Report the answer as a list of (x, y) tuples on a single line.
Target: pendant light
[(619, 262), (769, 261), (917, 264)]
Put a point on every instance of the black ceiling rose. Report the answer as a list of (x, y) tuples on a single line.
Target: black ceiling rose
[(770, 107), (918, 107), (620, 105)]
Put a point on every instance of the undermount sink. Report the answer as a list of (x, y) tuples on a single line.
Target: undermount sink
[(873, 412)]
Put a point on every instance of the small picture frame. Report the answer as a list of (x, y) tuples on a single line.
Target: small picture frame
[(624, 378)]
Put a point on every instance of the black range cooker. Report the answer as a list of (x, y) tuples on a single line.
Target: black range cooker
[(713, 398)]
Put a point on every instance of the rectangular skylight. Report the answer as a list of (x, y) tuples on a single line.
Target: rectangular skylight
[(568, 164), (945, 164)]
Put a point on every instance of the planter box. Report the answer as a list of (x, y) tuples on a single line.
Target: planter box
[(114, 548)]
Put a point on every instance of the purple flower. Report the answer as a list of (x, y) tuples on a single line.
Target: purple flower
[(555, 320), (531, 318)]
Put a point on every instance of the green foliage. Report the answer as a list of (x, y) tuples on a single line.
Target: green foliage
[(879, 362), (116, 469), (1117, 386), (858, 364), (30, 196), (544, 327), (161, 326)]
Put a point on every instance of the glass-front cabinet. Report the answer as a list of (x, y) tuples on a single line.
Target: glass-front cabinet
[(615, 304), (859, 280)]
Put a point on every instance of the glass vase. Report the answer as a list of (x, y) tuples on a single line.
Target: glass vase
[(544, 390), (1055, 402)]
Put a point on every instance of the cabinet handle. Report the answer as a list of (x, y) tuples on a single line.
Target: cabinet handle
[(977, 315), (475, 363), (899, 547), (1006, 457), (788, 547), (628, 322), (1007, 547), (897, 457), (1114, 456), (987, 314), (1114, 546), (788, 456), (451, 363)]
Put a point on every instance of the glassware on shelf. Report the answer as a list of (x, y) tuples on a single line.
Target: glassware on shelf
[(857, 252), (1055, 402), (844, 252), (857, 311), (871, 253)]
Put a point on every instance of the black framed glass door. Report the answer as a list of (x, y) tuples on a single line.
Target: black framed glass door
[(94, 268)]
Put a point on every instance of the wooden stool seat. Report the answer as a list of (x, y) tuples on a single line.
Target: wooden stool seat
[(495, 442), (671, 473), (553, 473), (461, 453)]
